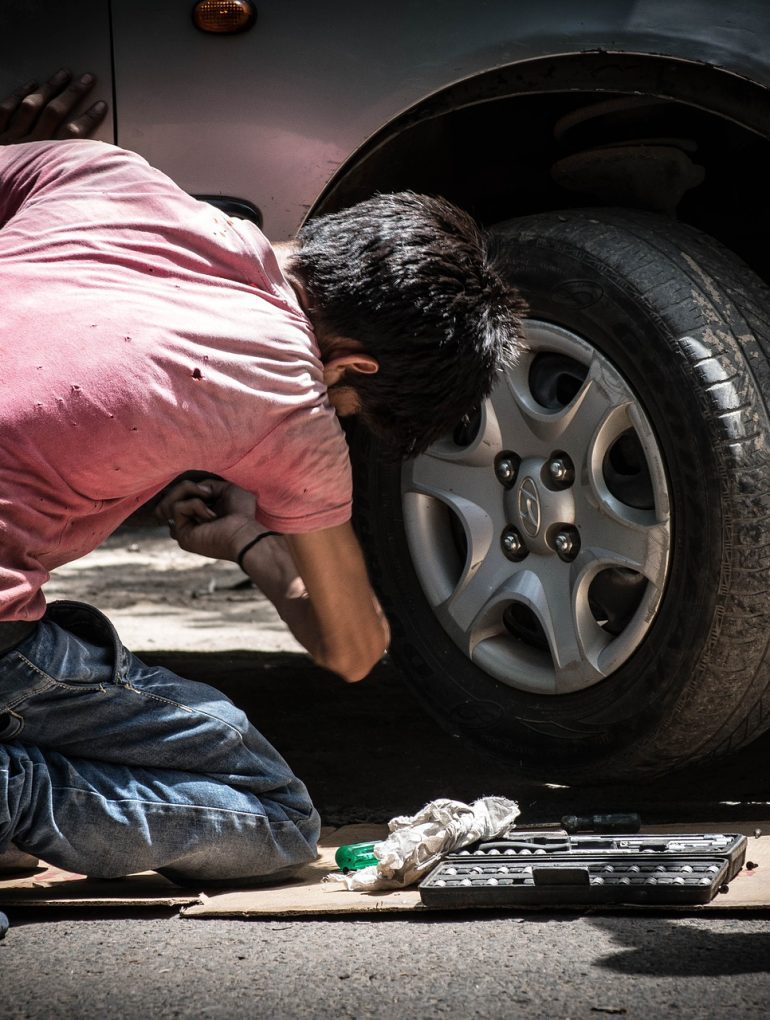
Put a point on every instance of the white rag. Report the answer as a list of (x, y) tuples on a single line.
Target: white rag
[(417, 843)]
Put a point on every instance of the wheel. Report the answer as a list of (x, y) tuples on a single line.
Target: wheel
[(576, 576)]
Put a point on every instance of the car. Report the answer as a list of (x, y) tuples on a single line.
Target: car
[(576, 576)]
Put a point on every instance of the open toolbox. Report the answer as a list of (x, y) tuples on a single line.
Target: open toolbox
[(540, 868)]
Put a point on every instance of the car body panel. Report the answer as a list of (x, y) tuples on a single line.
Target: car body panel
[(272, 114), (278, 109)]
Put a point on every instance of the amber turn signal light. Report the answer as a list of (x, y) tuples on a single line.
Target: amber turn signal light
[(224, 16)]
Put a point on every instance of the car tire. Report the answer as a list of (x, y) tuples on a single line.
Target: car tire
[(682, 322)]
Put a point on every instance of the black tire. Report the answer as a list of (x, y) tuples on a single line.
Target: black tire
[(683, 320)]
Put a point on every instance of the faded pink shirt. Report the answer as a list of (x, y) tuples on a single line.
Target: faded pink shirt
[(142, 334)]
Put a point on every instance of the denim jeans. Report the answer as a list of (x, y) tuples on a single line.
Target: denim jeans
[(109, 766)]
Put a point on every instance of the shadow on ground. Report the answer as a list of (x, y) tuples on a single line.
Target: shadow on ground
[(682, 950), (368, 751)]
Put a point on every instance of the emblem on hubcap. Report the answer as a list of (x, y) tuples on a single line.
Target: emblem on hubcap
[(529, 507)]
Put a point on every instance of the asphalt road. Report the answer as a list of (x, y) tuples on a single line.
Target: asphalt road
[(367, 752), (488, 966)]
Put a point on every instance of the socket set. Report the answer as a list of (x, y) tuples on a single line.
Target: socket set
[(537, 868)]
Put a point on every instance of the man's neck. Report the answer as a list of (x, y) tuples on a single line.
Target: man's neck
[(284, 252), (329, 346)]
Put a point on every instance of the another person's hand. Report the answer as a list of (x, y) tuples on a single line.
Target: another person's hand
[(34, 113)]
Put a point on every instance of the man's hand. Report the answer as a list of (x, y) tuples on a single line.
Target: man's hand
[(212, 518), (216, 519), (35, 113)]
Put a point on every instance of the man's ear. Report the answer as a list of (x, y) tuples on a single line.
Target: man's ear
[(336, 368)]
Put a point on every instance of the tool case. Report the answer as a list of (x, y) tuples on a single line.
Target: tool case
[(541, 868)]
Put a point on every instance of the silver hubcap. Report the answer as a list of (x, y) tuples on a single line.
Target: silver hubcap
[(541, 532)]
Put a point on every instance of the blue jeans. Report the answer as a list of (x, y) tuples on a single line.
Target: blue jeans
[(109, 766)]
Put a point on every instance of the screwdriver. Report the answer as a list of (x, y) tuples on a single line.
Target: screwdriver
[(354, 856), (629, 822)]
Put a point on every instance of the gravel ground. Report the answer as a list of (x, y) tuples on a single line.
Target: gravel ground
[(160, 597)]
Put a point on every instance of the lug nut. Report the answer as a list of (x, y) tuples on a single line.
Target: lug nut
[(567, 544), (560, 472), (513, 544), (564, 544), (506, 468)]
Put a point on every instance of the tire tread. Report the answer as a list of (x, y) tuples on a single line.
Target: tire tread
[(742, 356)]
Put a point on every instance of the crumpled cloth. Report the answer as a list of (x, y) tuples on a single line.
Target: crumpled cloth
[(417, 843)]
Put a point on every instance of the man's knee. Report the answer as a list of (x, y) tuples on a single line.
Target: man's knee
[(256, 852)]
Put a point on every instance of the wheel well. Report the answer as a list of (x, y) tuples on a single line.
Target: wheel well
[(686, 139)]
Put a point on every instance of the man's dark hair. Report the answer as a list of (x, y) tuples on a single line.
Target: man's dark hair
[(410, 277)]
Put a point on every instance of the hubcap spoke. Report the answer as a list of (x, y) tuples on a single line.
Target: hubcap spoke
[(482, 448), (634, 544), (572, 427), (475, 607), (599, 397), (574, 638), (449, 479), (522, 422)]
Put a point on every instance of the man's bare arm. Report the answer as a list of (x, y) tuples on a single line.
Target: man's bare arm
[(335, 615), (351, 631)]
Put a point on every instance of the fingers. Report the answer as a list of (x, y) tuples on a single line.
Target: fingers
[(58, 106), (190, 511), (186, 514), (37, 112), (31, 107), (182, 491), (85, 125), (9, 106)]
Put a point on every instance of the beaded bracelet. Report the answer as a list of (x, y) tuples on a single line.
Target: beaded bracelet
[(249, 545)]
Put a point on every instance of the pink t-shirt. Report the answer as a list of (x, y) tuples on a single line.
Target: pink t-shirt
[(142, 334)]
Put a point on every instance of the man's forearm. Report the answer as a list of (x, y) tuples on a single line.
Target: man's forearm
[(270, 567), (318, 584), (353, 633)]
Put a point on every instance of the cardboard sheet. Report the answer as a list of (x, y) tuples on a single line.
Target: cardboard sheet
[(309, 894), (52, 887)]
